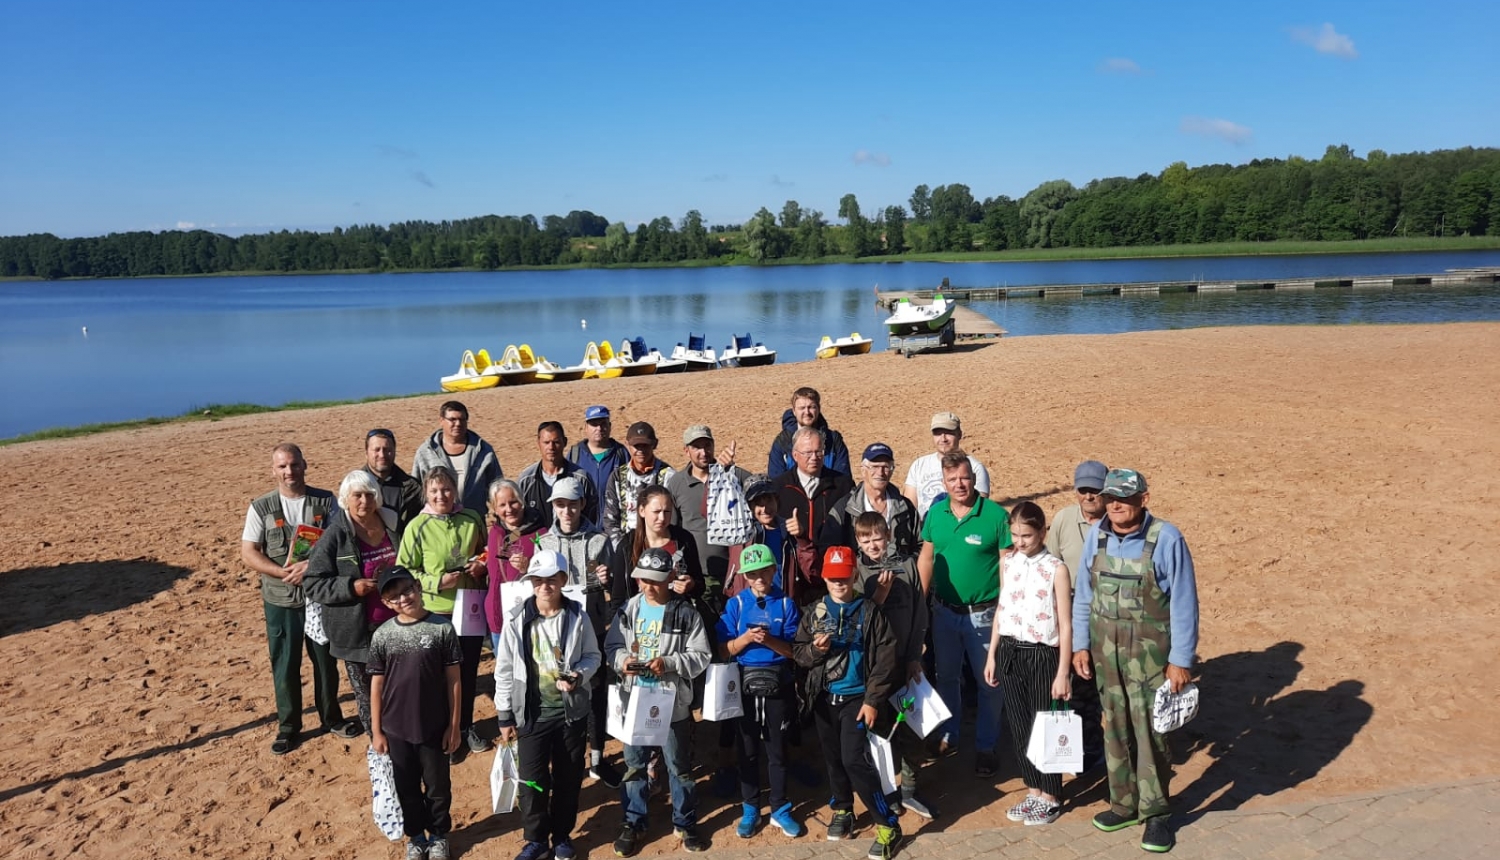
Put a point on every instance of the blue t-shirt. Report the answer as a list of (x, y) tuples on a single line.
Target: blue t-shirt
[(843, 621), (773, 539), (648, 624), (778, 613)]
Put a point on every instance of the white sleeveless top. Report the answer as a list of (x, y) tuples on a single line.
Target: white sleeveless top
[(1028, 608)]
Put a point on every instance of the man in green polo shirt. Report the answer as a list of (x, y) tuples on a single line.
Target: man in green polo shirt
[(963, 538)]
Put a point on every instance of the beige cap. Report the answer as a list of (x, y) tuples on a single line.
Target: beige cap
[(945, 421)]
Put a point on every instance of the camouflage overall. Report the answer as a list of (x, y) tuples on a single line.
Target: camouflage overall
[(1129, 632)]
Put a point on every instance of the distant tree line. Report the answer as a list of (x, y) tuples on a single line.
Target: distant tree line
[(1340, 196)]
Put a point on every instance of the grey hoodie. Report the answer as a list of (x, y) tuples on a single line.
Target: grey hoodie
[(481, 468), (683, 649), (515, 687)]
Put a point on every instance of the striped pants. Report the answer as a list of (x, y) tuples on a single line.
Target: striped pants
[(1026, 670)]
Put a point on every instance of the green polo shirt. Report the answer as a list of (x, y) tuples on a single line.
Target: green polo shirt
[(966, 552)]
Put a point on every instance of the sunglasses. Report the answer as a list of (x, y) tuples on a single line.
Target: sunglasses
[(1087, 491), (381, 431)]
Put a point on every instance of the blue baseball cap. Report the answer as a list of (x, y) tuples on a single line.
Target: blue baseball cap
[(594, 413), (1090, 474), (879, 451)]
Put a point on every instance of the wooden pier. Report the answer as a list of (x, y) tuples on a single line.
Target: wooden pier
[(1451, 278)]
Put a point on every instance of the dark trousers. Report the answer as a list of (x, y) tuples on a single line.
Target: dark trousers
[(762, 733), (422, 786), (550, 754), (359, 682), (598, 718), (846, 751), (470, 649), (284, 634), (1026, 672)]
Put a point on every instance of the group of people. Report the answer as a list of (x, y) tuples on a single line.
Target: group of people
[(844, 589)]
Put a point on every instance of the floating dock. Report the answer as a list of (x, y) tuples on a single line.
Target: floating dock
[(1451, 278)]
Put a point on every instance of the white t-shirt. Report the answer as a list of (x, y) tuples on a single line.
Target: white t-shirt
[(255, 527), (926, 474)]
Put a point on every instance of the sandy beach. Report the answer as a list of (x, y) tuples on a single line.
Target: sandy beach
[(1332, 483)]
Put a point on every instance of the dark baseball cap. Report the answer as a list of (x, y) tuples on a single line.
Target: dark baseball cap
[(639, 432), (879, 451), (392, 575)]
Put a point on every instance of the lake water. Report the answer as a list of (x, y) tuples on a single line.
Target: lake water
[(164, 346)]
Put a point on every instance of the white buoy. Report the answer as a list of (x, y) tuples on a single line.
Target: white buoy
[(85, 331), (583, 323)]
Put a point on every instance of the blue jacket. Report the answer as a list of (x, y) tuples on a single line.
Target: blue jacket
[(835, 453)]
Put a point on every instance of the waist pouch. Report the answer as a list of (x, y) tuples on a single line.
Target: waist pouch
[(763, 681)]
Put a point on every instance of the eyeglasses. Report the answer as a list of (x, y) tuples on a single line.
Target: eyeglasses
[(407, 592), (880, 467), (814, 453), (1087, 491)]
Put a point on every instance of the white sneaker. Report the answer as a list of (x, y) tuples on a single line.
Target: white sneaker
[(1020, 810), (1043, 812)]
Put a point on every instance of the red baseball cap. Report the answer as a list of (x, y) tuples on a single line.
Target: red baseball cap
[(838, 563)]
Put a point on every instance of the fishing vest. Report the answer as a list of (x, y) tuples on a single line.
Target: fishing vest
[(276, 541), (1125, 590)]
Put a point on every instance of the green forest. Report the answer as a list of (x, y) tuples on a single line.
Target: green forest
[(1340, 196)]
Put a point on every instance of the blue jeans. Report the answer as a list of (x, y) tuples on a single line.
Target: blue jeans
[(954, 635), (677, 757)]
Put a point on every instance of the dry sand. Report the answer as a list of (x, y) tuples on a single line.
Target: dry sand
[(1334, 485)]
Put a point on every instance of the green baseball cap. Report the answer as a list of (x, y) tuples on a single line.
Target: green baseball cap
[(1123, 483), (756, 556)]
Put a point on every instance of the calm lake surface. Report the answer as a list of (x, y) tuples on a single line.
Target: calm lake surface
[(164, 346)]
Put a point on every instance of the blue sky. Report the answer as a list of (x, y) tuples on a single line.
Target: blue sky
[(245, 117)]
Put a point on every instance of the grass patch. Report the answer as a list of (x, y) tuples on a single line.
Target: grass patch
[(210, 412)]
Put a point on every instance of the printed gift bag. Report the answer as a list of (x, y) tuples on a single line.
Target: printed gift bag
[(648, 717), (505, 779), (615, 717), (1173, 710), (468, 613), (384, 804), (1056, 743), (927, 711), (721, 692), (312, 622)]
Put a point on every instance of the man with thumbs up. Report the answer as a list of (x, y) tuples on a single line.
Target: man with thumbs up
[(809, 494)]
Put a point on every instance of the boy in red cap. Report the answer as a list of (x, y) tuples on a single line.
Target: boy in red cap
[(853, 669)]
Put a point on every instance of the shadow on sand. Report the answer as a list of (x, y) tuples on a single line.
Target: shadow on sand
[(38, 597)]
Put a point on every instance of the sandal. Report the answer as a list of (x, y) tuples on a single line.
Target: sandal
[(348, 729), (283, 744)]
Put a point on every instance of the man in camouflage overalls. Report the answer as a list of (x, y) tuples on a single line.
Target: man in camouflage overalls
[(1138, 608)]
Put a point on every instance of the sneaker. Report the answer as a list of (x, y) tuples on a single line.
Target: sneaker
[(725, 782), (1109, 821), (842, 825), (1158, 837), (985, 763), (562, 849), (782, 818), (347, 729), (939, 747), (628, 842), (887, 840), (437, 849), (920, 807), (476, 742), (534, 851), (749, 820), (1018, 812), (1043, 812), (606, 773), (691, 841), (416, 850)]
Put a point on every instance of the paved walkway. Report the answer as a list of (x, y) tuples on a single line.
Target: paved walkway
[(1455, 822)]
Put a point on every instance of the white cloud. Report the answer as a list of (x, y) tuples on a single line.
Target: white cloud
[(879, 159), (1326, 40), (1223, 129), (1120, 66), (185, 225)]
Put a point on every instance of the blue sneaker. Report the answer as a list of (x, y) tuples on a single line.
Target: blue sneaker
[(749, 820), (782, 818)]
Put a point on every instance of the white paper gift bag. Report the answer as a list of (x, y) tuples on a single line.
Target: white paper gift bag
[(615, 716), (927, 710), (468, 613), (885, 761), (648, 717), (721, 692), (384, 804), (312, 623), (513, 594), (505, 779), (1056, 742)]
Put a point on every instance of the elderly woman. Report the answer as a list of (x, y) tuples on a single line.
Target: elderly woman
[(441, 549), (341, 575), (512, 542)]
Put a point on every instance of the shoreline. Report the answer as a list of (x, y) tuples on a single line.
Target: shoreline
[(1291, 248)]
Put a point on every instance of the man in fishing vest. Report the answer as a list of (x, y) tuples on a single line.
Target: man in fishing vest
[(642, 470), (266, 547), (400, 493), (1135, 623)]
